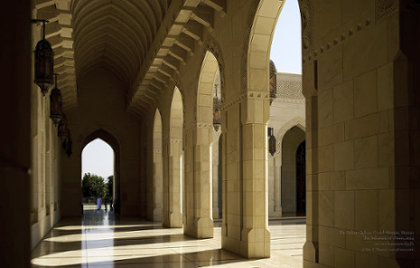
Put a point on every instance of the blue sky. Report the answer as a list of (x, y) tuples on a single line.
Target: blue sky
[(286, 49), (98, 157)]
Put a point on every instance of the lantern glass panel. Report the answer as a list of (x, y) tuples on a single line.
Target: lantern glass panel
[(56, 106), (217, 115), (44, 65)]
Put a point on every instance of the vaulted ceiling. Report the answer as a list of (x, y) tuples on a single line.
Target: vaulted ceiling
[(115, 34), (141, 42)]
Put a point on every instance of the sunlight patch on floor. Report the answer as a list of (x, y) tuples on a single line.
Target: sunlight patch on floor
[(102, 241)]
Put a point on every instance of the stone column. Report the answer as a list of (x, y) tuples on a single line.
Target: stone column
[(277, 185), (15, 139), (310, 248), (157, 185), (157, 182), (216, 176), (270, 184), (199, 221), (245, 216), (174, 186), (165, 182)]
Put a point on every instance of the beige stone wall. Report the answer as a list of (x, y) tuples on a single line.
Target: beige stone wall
[(349, 71), (45, 162), (46, 154), (101, 106)]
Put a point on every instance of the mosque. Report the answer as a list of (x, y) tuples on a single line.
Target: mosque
[(211, 144)]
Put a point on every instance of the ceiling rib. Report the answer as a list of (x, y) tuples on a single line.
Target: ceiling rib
[(174, 42)]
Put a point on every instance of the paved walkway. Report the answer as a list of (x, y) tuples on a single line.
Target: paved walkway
[(99, 240)]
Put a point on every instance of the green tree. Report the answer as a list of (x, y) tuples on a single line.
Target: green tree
[(93, 185)]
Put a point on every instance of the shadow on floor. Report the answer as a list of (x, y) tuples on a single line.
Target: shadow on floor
[(100, 239), (184, 260)]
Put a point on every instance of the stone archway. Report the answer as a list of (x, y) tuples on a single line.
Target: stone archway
[(199, 139), (172, 181), (245, 211), (111, 141)]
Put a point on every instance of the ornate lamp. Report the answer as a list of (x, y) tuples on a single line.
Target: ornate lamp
[(217, 113), (67, 145), (63, 131), (56, 104), (273, 81), (64, 134), (44, 62), (271, 141)]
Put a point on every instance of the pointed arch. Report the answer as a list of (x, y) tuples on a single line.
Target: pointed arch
[(291, 141), (176, 115), (172, 182), (258, 49), (209, 77), (210, 85), (103, 135), (113, 142)]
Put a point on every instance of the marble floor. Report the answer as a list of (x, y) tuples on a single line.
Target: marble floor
[(100, 240)]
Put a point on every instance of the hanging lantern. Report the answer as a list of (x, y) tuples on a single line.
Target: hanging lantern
[(56, 104), (44, 62), (217, 111), (273, 81), (63, 131), (271, 141), (68, 146)]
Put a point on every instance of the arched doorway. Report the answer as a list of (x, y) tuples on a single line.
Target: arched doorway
[(293, 172), (104, 144), (301, 180)]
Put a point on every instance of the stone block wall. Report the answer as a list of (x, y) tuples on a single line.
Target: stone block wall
[(46, 155)]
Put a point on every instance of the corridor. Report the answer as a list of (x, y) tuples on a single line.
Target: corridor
[(101, 240)]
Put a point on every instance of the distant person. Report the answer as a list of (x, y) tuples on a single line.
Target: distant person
[(98, 203), (106, 203)]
